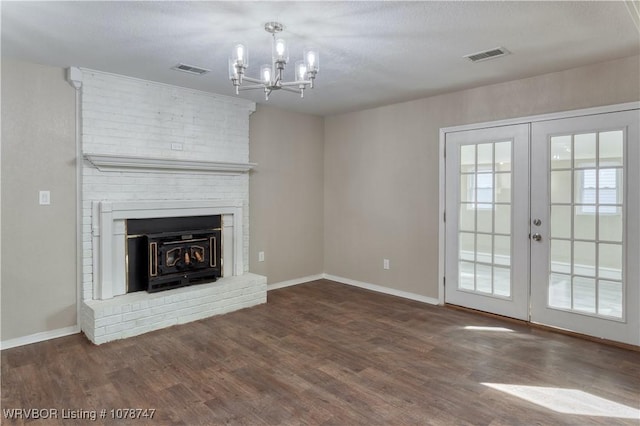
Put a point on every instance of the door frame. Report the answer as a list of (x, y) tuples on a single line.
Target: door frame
[(483, 125)]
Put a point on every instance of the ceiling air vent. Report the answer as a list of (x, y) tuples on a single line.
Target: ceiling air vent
[(190, 69), (487, 54)]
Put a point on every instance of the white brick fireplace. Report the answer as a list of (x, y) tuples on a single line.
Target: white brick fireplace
[(152, 150)]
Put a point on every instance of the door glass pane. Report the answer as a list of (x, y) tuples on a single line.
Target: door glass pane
[(584, 224), (484, 188), (586, 190), (610, 186), (466, 275), (610, 298), (584, 294), (467, 158), (561, 256), (560, 291), (611, 148), (560, 221), (610, 223), (503, 156), (483, 278), (502, 281), (485, 218), (467, 189), (561, 187), (485, 156), (584, 147), (584, 258), (503, 219), (484, 248), (503, 188), (502, 250), (467, 217), (610, 261), (561, 152), (467, 246)]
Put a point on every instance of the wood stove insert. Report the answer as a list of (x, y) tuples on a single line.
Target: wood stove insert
[(167, 253)]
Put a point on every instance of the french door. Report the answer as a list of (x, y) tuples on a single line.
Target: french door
[(542, 223), (487, 243), (585, 219)]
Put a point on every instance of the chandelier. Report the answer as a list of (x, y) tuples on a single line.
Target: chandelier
[(271, 75)]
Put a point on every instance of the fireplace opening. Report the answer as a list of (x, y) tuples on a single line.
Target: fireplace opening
[(166, 253)]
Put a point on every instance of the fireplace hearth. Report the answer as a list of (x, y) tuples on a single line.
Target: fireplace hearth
[(166, 253)]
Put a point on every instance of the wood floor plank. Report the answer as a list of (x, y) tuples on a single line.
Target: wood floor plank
[(323, 353)]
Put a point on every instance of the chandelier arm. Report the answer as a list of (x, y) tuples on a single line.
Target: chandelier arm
[(287, 89), (252, 80), (295, 83), (251, 87)]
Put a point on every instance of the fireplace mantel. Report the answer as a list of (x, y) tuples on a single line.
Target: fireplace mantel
[(119, 163)]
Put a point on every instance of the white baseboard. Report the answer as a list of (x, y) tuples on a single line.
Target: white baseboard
[(296, 281), (385, 290), (39, 337), (66, 331), (348, 281)]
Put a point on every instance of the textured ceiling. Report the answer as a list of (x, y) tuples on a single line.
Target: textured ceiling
[(371, 53)]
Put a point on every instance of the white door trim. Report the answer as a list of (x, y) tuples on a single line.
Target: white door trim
[(507, 122)]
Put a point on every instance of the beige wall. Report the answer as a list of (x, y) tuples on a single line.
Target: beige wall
[(381, 168), (334, 195), (286, 194), (38, 242)]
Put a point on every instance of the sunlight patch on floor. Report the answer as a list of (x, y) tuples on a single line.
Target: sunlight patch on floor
[(478, 328), (568, 401)]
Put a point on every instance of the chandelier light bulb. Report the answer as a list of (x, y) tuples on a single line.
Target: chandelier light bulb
[(312, 58), (240, 55), (301, 70), (281, 50), (233, 71), (265, 72)]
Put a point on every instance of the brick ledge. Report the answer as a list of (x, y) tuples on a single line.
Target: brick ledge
[(141, 312)]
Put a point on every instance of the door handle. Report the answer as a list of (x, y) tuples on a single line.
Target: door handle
[(536, 237)]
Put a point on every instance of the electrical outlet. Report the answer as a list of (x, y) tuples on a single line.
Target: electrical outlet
[(44, 198), (261, 256), (385, 263), (176, 147)]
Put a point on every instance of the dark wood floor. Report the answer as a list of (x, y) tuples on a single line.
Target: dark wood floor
[(322, 353)]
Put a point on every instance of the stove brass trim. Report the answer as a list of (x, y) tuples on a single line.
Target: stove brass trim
[(153, 259), (213, 252)]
